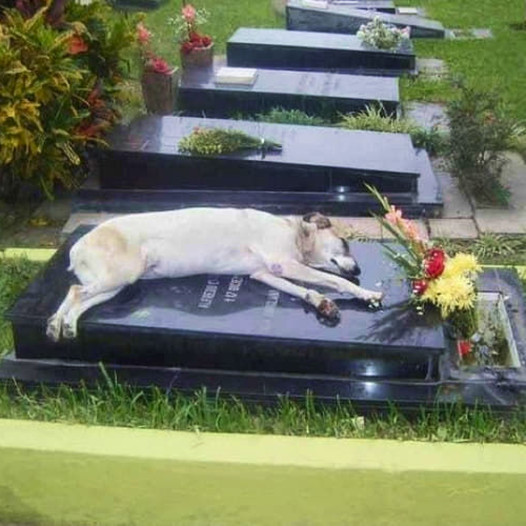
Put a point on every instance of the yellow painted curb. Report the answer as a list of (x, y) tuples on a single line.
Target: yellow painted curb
[(33, 254), (78, 475), (263, 450)]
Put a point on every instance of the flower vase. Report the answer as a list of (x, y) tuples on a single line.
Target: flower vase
[(201, 57), (159, 91)]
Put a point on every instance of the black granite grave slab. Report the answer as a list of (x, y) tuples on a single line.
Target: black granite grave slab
[(383, 6), (313, 51), (234, 323), (333, 373), (347, 19), (145, 155), (315, 93)]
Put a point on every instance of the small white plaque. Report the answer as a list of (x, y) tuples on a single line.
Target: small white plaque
[(226, 75), (319, 4), (407, 10)]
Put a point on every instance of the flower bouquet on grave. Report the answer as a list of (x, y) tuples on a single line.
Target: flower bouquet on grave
[(218, 141), (196, 49), (379, 35), (447, 282), (158, 79)]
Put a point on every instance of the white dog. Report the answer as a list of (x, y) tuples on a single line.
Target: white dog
[(179, 243)]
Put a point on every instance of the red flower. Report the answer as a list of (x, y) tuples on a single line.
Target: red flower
[(77, 45), (435, 262), (419, 286), (158, 65), (187, 47), (206, 41), (464, 347)]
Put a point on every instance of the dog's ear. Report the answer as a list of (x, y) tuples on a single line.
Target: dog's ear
[(318, 219)]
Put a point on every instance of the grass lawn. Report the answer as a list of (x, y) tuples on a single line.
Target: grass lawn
[(498, 62)]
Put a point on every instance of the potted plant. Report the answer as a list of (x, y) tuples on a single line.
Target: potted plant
[(158, 79), (196, 49)]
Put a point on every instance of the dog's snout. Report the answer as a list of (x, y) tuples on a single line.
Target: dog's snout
[(356, 270)]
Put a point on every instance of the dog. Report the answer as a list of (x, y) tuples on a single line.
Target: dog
[(268, 248)]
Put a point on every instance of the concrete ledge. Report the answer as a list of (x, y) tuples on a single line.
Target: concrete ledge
[(56, 473)]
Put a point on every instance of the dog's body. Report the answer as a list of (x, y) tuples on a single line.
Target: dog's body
[(179, 243)]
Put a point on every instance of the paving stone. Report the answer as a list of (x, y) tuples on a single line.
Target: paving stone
[(420, 226), (431, 68), (453, 228), (456, 203), (427, 115), (366, 227), (84, 218), (469, 34), (511, 220), (57, 210)]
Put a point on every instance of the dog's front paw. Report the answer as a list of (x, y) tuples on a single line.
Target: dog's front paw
[(53, 329), (328, 309), (374, 298)]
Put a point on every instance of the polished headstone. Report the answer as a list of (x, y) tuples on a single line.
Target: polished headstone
[(371, 384), (307, 50), (347, 19), (235, 323), (316, 93), (383, 6), (145, 155)]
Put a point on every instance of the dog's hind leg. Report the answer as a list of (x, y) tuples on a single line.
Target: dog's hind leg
[(87, 297), (323, 305)]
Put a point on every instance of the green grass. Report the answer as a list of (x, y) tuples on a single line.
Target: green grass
[(225, 17), (15, 274), (116, 405), (497, 62)]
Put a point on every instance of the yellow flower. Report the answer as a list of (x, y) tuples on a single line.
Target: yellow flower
[(461, 264), (450, 293)]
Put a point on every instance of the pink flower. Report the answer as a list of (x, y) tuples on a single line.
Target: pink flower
[(188, 12), (393, 216), (409, 230), (143, 35)]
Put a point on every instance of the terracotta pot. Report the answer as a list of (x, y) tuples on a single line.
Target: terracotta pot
[(159, 91), (198, 58)]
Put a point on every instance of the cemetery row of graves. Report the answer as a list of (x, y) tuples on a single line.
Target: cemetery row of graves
[(228, 333)]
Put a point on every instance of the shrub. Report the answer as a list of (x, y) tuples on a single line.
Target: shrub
[(373, 119), (283, 116), (480, 132), (57, 93)]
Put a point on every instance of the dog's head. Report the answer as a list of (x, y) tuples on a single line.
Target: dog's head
[(324, 249)]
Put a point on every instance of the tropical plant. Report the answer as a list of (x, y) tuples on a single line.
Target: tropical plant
[(59, 89), (480, 131)]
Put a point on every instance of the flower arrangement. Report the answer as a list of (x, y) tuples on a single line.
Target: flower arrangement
[(436, 278), (150, 61), (187, 29), (217, 141), (382, 36)]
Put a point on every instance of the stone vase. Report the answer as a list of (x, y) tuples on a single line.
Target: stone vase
[(159, 91), (198, 58)]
